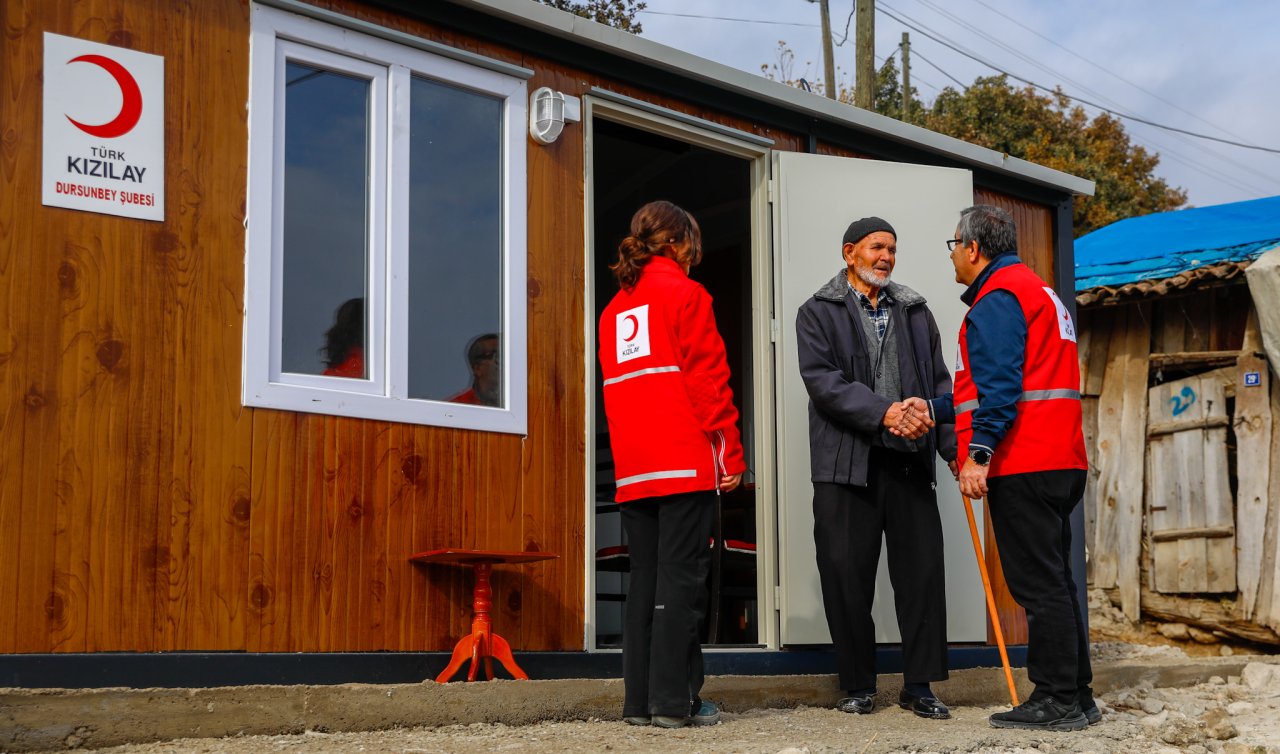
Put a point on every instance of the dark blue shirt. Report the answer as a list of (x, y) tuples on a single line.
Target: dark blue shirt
[(997, 339)]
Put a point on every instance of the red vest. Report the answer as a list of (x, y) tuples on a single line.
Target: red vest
[(1046, 434)]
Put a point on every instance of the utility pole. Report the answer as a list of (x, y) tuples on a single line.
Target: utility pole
[(828, 61), (906, 78), (864, 51)]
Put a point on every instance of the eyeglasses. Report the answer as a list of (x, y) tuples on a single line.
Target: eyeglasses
[(951, 244), (487, 356)]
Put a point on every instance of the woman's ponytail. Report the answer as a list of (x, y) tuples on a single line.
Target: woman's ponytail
[(654, 226), (633, 255)]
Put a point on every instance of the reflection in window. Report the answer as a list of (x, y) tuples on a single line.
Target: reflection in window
[(455, 245), (326, 201), (385, 239), (344, 342)]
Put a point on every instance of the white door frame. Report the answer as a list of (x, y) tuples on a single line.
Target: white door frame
[(726, 140)]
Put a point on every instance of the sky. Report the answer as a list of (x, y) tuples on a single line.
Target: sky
[(1206, 66)]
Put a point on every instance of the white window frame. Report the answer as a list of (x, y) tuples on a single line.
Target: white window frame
[(276, 37)]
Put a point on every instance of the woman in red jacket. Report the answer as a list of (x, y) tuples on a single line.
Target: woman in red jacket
[(674, 434)]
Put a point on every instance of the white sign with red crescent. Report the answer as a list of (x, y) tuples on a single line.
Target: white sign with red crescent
[(1066, 328), (633, 333), (103, 128)]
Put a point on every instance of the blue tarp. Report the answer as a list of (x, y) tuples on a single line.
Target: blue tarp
[(1158, 246)]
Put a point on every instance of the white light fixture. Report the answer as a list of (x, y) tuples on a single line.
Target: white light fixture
[(548, 111)]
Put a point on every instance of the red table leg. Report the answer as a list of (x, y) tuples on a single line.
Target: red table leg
[(481, 643)]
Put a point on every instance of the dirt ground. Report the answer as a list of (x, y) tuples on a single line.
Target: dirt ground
[(1236, 715), (1233, 715), (1108, 624)]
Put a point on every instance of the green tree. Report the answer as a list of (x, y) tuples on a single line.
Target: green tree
[(620, 14), (1048, 130), (888, 95)]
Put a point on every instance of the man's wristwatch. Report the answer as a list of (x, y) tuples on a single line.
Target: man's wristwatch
[(980, 456)]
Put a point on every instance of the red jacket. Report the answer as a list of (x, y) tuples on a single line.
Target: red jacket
[(1046, 433), (672, 423)]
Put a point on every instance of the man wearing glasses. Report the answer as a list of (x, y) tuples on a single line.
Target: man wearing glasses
[(865, 346), (486, 373), (1016, 411)]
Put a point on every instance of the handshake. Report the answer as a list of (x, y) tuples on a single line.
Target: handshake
[(908, 418)]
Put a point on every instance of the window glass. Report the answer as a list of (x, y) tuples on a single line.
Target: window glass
[(455, 245), (385, 267), (326, 210)]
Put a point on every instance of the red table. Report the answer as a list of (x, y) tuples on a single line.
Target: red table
[(482, 642)]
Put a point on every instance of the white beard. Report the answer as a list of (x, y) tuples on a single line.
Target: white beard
[(869, 276)]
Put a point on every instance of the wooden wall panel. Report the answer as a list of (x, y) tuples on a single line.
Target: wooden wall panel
[(1035, 229), (143, 508), (120, 329), (1210, 319)]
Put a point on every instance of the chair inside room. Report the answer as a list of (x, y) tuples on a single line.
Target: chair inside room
[(731, 583)]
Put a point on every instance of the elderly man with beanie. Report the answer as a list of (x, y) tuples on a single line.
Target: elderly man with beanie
[(869, 352)]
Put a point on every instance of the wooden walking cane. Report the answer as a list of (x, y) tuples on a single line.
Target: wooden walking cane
[(991, 600)]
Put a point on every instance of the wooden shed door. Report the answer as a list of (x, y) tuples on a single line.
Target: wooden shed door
[(1191, 525)]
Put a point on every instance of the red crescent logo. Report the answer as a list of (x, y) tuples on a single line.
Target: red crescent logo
[(130, 107), (635, 326)]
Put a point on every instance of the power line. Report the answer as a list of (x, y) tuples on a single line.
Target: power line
[(727, 18), (847, 21), (1008, 48), (1268, 178), (938, 69), (914, 78), (1108, 71), (1082, 101), (1164, 149), (994, 67), (1224, 178)]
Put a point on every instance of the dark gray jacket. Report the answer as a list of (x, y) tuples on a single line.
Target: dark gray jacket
[(844, 412)]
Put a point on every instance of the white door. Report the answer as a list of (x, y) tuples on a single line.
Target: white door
[(816, 198)]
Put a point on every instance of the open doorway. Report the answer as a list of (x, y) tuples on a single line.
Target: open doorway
[(629, 167)]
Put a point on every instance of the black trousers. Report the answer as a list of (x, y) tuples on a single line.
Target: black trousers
[(669, 539), (1031, 515), (899, 502)]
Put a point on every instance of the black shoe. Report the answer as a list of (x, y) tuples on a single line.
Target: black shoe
[(924, 706), (1089, 707), (863, 705), (1044, 714)]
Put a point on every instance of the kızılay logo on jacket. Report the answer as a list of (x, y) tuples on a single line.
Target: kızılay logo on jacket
[(632, 328)]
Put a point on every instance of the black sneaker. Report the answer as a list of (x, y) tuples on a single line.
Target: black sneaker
[(1044, 714), (704, 713), (1090, 709)]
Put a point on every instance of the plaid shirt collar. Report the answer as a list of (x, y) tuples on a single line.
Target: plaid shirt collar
[(879, 314)]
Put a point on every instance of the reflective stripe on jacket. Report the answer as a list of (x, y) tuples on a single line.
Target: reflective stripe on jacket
[(1046, 434)]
